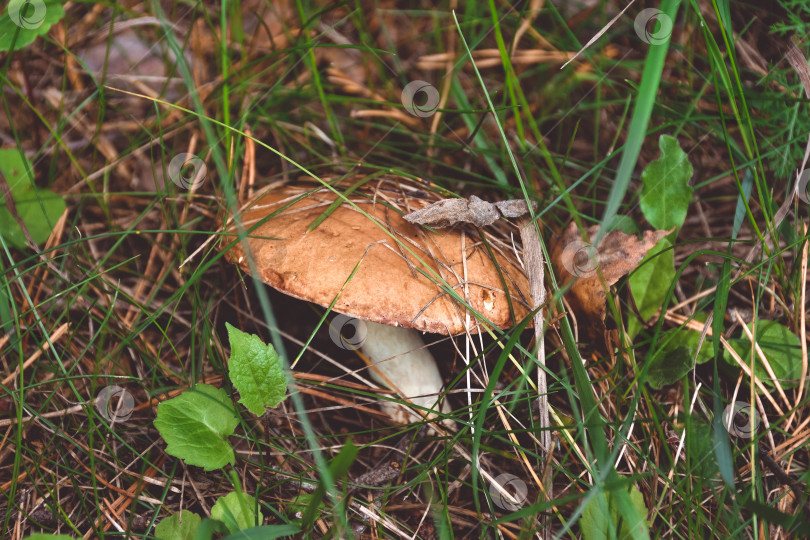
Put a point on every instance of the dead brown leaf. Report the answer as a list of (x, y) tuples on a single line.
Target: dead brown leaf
[(615, 256)]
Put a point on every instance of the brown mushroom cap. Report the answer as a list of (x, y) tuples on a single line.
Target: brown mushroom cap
[(387, 287)]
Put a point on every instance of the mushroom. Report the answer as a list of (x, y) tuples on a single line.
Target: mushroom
[(386, 272)]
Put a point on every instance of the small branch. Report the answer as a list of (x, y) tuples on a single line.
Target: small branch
[(533, 261)]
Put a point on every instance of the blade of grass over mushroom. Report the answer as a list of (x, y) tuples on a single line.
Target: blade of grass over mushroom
[(502, 278), (326, 314), (351, 189)]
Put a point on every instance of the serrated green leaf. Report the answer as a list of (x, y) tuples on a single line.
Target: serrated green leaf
[(196, 425), (255, 370), (666, 193), (602, 517), (650, 282), (182, 526), (236, 514), (39, 209), (28, 19), (780, 346)]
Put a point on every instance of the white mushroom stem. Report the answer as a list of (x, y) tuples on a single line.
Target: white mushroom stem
[(402, 362)]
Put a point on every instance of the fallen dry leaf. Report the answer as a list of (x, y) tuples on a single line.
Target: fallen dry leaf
[(615, 256)]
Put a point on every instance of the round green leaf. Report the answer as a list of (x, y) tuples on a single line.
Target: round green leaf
[(182, 526), (28, 19), (781, 348), (196, 425)]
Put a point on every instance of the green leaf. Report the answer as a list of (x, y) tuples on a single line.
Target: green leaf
[(39, 209), (676, 357), (43, 536), (255, 370), (779, 345), (297, 507), (602, 517), (196, 425), (5, 310), (208, 527), (700, 449), (650, 282), (624, 224), (15, 167), (236, 514), (666, 193), (182, 526), (28, 19)]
